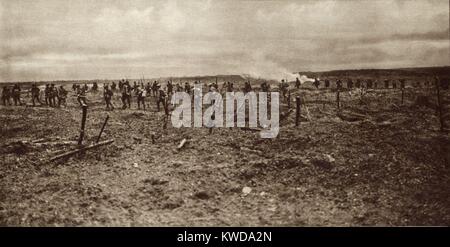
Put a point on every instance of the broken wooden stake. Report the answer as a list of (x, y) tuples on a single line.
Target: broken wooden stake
[(338, 99), (103, 127), (439, 104), (297, 115), (70, 153), (403, 94), (83, 124)]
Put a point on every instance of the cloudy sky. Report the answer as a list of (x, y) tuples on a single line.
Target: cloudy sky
[(83, 39)]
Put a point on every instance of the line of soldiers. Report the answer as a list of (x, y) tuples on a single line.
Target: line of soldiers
[(51, 94), (369, 83)]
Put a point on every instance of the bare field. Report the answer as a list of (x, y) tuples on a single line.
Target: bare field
[(377, 162)]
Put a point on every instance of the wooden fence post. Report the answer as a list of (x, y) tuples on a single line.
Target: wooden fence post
[(297, 115), (83, 124)]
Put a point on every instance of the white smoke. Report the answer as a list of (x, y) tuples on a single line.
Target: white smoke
[(304, 78)]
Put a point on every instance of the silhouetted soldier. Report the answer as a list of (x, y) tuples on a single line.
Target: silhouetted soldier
[(349, 83), (16, 94), (316, 83), (6, 94), (169, 88), (108, 94), (62, 95), (402, 83), (141, 97), (161, 99), (297, 83), (35, 94), (46, 94), (113, 86), (52, 95), (81, 96), (386, 83), (187, 87), (358, 83), (338, 84), (327, 83)]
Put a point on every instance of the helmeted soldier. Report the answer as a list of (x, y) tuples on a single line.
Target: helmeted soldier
[(6, 95), (350, 83), (107, 95), (297, 83), (316, 83), (81, 96), (35, 94), (62, 96), (16, 94)]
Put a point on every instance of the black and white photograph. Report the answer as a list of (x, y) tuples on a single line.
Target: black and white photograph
[(232, 113)]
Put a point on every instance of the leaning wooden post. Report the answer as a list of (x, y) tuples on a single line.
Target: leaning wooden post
[(297, 114), (103, 127), (289, 99), (83, 124), (337, 98), (403, 94), (441, 119)]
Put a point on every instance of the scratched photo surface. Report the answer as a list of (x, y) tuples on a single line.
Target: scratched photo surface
[(224, 113)]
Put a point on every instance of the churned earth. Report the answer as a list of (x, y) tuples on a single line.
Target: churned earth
[(374, 162)]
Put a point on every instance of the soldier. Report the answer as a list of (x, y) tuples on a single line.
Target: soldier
[(61, 95), (297, 83), (16, 94), (339, 84), (265, 87), (349, 83), (178, 87), (161, 99), (6, 94), (81, 96), (316, 83), (402, 83), (230, 87), (126, 96), (95, 87), (155, 88), (108, 94), (327, 83), (141, 97), (35, 94), (74, 87), (120, 86), (52, 95), (46, 94), (283, 88), (358, 83), (394, 84), (86, 88), (169, 88), (247, 87), (375, 85), (187, 87), (113, 86), (386, 83), (135, 86)]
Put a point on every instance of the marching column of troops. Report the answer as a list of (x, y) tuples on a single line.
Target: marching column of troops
[(53, 96)]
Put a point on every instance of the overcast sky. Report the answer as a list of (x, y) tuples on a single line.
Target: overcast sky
[(54, 39)]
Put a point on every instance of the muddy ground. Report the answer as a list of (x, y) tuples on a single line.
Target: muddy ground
[(378, 162)]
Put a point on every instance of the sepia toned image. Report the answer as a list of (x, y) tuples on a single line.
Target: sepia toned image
[(224, 113)]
